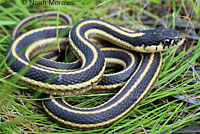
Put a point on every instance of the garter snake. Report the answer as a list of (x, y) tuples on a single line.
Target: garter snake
[(145, 47)]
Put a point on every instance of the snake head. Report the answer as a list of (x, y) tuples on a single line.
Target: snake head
[(171, 38), (162, 39)]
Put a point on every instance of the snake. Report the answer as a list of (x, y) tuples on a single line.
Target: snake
[(137, 51)]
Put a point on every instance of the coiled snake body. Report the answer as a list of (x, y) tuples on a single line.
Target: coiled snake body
[(141, 66)]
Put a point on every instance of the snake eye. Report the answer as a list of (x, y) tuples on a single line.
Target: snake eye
[(166, 42)]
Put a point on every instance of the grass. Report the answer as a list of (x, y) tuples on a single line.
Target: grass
[(161, 111)]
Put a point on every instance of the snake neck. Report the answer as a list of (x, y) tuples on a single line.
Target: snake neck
[(146, 41)]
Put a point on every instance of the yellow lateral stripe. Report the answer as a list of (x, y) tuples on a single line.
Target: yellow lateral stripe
[(137, 34), (17, 29)]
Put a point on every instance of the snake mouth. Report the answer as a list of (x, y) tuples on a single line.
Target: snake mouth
[(171, 42), (164, 45)]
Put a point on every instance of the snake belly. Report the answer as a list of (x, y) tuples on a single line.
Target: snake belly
[(62, 81)]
